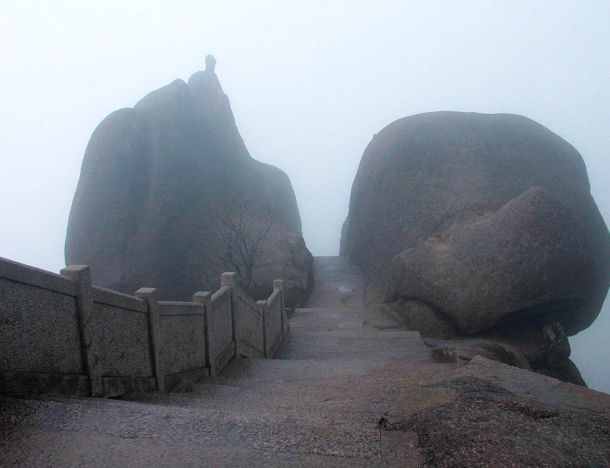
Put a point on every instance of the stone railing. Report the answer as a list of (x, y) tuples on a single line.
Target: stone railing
[(61, 335), (276, 322)]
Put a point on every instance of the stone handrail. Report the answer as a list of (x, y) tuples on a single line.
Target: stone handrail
[(220, 336), (61, 335), (276, 321)]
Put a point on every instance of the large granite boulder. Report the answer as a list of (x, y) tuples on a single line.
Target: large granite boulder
[(156, 183), (449, 193), (481, 226)]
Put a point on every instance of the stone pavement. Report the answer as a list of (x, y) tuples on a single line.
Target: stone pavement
[(319, 403)]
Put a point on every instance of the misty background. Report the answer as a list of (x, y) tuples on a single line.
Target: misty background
[(309, 82)]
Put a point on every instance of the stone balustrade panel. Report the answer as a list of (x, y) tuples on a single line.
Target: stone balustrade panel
[(274, 332), (40, 344), (182, 336), (221, 343), (249, 325)]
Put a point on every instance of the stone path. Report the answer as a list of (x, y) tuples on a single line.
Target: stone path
[(317, 404)]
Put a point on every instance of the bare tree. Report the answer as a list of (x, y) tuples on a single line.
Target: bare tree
[(237, 237)]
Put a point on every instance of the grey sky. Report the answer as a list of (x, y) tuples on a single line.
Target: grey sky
[(310, 82)]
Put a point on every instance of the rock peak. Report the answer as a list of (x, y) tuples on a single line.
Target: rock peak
[(210, 63)]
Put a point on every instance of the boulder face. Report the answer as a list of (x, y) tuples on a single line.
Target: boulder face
[(472, 225), (526, 258), (156, 183)]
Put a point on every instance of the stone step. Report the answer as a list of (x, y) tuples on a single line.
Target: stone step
[(342, 283), (357, 352), (342, 264), (103, 450), (326, 393), (364, 326), (210, 388), (334, 312), (336, 299), (341, 366), (404, 354), (352, 346), (85, 429), (316, 318), (361, 332), (337, 284), (326, 324), (245, 372), (376, 339)]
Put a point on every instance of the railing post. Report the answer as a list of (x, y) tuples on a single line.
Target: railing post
[(230, 279), (263, 306), (81, 275), (203, 298), (279, 284), (150, 296)]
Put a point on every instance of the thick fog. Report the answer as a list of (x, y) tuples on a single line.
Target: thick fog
[(310, 82)]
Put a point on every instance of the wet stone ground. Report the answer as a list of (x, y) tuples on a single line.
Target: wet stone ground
[(350, 387)]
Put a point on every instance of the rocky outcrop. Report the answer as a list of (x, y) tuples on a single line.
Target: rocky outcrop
[(463, 351), (527, 258), (158, 179), (490, 414), (474, 225)]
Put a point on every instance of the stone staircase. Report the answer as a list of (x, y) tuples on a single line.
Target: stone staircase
[(317, 404)]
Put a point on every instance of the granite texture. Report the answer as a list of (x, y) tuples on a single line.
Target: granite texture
[(528, 259), (103, 343), (424, 174), (117, 299), (37, 383), (183, 346), (123, 340), (249, 327), (27, 274), (39, 330), (274, 332), (220, 329)]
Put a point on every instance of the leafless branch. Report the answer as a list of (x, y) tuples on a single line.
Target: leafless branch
[(237, 236)]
